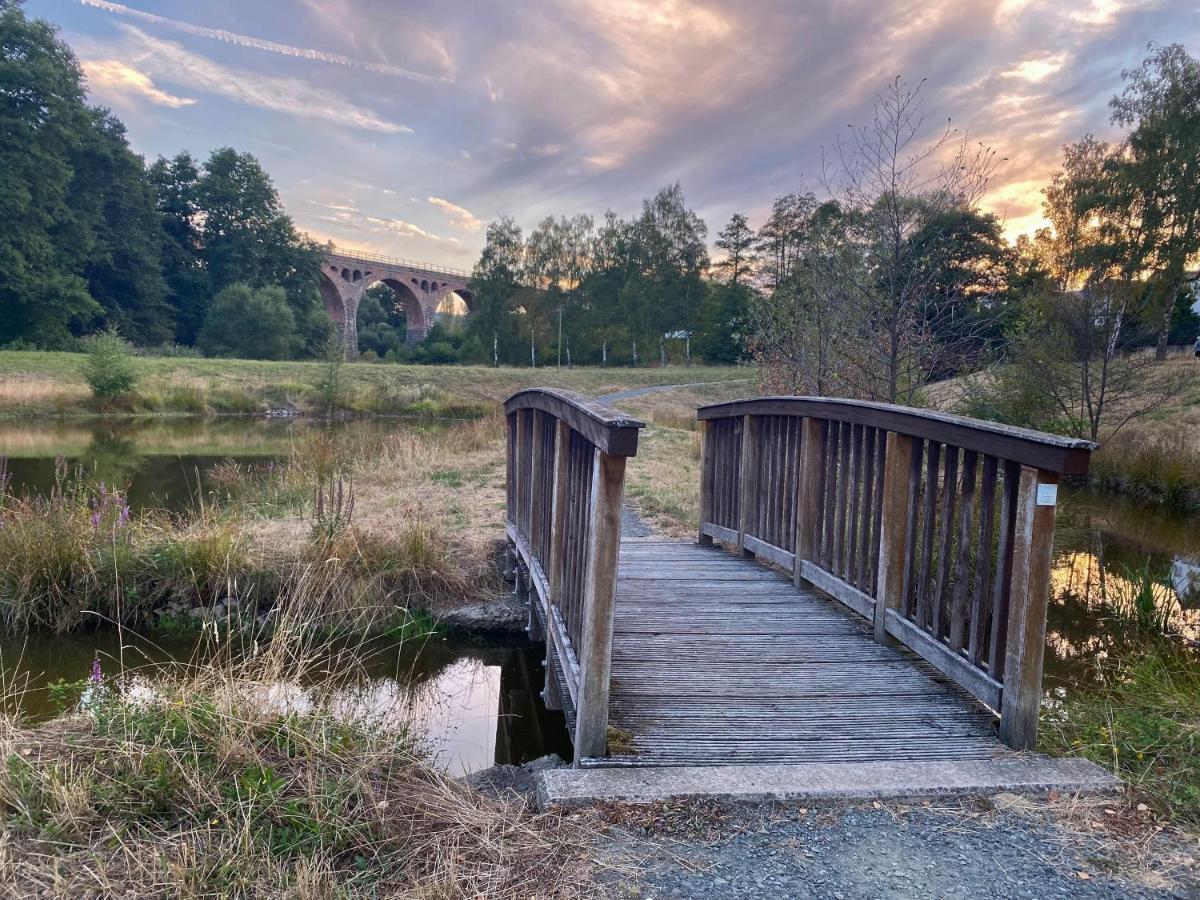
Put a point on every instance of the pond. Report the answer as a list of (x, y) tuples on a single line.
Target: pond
[(474, 703), (1120, 571), (161, 463), (1115, 563), (477, 703)]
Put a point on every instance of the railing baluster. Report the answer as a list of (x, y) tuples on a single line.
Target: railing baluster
[(749, 482), (893, 550), (1002, 587), (958, 612), (946, 538), (929, 513), (983, 560)]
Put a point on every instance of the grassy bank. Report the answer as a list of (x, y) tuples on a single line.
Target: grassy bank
[(1138, 716), (357, 531), (231, 780), (50, 384)]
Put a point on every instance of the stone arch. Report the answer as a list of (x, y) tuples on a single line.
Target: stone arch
[(332, 298), (454, 303), (415, 324), (424, 285)]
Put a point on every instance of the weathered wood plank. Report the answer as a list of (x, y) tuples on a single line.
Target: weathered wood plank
[(1033, 547)]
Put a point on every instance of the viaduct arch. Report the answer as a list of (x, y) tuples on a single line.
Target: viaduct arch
[(419, 287)]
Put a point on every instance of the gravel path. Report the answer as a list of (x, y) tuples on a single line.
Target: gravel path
[(859, 853)]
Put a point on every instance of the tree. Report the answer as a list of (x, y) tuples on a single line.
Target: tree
[(189, 290), (781, 239), (381, 321), (894, 187), (114, 203), (250, 323), (248, 239), (556, 262), (737, 241), (494, 283), (42, 117), (663, 289), (1071, 369), (1156, 170)]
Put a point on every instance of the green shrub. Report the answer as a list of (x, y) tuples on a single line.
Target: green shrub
[(249, 323), (109, 367)]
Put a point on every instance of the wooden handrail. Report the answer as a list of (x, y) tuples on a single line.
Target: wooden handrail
[(937, 527), (566, 474), (1067, 456)]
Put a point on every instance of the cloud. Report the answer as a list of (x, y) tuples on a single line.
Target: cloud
[(242, 40), (169, 61), (354, 218), (117, 77), (459, 217)]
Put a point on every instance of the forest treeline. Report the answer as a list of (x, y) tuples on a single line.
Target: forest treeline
[(181, 252)]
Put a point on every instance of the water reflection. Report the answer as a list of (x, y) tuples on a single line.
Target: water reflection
[(470, 704), (1119, 571), (165, 463)]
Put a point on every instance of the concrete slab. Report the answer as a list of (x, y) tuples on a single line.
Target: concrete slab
[(1018, 773)]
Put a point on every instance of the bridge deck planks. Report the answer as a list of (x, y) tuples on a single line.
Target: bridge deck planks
[(721, 660)]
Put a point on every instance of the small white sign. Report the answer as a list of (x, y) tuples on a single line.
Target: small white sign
[(1047, 494)]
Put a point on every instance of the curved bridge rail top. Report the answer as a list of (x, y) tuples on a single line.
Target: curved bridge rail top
[(607, 429), (1052, 452), (566, 458), (938, 528)]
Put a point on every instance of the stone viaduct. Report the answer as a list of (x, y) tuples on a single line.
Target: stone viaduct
[(419, 287)]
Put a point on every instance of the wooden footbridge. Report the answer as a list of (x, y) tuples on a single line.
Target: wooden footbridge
[(869, 584)]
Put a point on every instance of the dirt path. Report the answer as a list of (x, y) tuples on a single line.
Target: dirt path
[(658, 389)]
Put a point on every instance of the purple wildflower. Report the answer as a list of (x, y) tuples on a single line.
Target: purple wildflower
[(97, 675)]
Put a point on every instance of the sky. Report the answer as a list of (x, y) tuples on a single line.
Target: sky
[(403, 127)]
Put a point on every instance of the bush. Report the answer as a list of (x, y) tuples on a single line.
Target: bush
[(109, 368), (249, 323)]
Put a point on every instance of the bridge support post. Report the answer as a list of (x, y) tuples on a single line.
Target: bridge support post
[(1033, 552), (706, 480), (595, 660), (896, 538)]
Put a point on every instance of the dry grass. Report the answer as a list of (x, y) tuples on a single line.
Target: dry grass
[(1119, 835), (243, 778)]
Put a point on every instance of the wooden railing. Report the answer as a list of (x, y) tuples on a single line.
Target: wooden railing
[(566, 474), (936, 527)]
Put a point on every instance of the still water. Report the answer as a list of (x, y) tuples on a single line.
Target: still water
[(475, 703), (161, 463), (479, 703)]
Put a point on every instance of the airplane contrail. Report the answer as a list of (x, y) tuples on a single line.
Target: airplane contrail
[(243, 40)]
